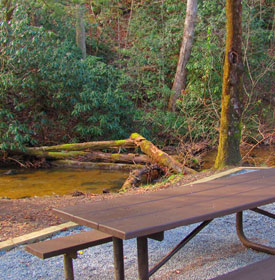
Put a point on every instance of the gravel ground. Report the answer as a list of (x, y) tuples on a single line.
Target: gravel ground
[(214, 251)]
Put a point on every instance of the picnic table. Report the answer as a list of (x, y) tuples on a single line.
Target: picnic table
[(142, 215)]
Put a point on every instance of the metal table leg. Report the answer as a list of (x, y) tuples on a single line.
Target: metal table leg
[(142, 250), (118, 258), (248, 243)]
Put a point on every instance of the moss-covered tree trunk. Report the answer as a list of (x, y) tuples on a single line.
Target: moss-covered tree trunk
[(232, 92)]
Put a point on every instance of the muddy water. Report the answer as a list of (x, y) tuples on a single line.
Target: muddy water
[(26, 183)]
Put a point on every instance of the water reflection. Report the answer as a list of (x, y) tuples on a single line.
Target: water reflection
[(26, 183)]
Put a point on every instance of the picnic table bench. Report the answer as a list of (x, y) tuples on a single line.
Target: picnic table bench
[(69, 245), (140, 216), (262, 270)]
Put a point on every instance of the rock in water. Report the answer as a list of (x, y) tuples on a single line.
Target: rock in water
[(10, 172)]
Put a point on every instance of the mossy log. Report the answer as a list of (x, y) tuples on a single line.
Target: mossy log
[(99, 145), (158, 156), (56, 155), (92, 156), (96, 165)]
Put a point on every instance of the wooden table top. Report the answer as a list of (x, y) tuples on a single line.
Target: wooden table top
[(143, 214)]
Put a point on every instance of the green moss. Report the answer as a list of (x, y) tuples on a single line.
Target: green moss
[(120, 142), (136, 135)]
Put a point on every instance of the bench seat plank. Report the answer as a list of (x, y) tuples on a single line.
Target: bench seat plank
[(262, 270), (67, 244)]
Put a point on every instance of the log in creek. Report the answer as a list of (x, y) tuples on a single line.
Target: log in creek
[(93, 156), (158, 156), (143, 175), (98, 145)]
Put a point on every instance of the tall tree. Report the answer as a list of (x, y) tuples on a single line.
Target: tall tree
[(185, 52), (232, 92), (80, 30)]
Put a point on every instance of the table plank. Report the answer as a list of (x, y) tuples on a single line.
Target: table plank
[(139, 215)]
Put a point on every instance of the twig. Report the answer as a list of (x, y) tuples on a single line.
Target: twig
[(21, 164)]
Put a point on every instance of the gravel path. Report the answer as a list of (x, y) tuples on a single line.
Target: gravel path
[(215, 250)]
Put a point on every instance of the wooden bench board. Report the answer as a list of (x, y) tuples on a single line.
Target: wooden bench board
[(68, 244), (262, 270)]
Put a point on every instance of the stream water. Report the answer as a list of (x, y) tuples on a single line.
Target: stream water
[(26, 183), (40, 182)]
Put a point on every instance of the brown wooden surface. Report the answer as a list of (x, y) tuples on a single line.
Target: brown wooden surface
[(262, 270), (140, 215), (72, 243)]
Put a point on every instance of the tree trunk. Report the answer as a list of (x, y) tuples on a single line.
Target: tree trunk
[(232, 93), (185, 52), (158, 156), (80, 30)]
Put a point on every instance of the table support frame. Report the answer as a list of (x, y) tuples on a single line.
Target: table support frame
[(248, 243), (68, 266), (143, 263), (118, 258), (142, 247)]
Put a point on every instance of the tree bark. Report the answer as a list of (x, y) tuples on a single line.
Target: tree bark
[(158, 156), (80, 30), (185, 52), (232, 92)]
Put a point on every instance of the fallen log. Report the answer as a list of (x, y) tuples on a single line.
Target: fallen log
[(56, 155), (99, 145), (145, 175), (96, 165), (92, 156), (123, 158), (158, 156)]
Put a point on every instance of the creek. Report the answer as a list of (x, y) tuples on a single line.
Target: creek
[(41, 182), (60, 181)]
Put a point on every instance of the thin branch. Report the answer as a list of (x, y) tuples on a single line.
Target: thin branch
[(266, 137), (17, 161)]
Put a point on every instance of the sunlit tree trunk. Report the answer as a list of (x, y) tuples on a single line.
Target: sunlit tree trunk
[(80, 30), (185, 52), (232, 92)]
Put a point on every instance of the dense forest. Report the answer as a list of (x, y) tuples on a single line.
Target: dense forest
[(77, 71)]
